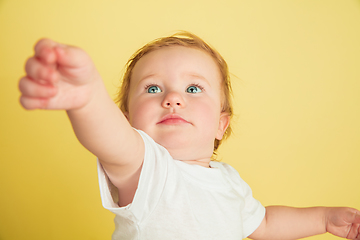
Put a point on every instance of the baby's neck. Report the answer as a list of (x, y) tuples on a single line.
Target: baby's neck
[(201, 158)]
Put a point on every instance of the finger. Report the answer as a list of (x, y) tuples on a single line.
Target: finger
[(51, 52), (34, 103), (69, 56), (40, 72), (30, 88), (354, 232), (44, 50)]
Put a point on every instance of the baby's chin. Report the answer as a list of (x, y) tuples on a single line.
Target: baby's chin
[(183, 146), (190, 156)]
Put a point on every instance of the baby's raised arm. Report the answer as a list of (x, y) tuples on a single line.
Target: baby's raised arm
[(64, 77)]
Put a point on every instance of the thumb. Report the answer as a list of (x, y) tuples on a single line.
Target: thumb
[(70, 56)]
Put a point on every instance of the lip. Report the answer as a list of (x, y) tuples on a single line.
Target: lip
[(172, 119)]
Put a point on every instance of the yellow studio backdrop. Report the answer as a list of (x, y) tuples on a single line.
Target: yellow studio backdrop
[(296, 81)]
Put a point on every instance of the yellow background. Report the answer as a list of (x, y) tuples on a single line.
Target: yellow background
[(296, 80)]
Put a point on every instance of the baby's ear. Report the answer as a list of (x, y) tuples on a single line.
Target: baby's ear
[(223, 125)]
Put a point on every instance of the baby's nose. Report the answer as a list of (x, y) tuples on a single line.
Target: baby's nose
[(173, 99)]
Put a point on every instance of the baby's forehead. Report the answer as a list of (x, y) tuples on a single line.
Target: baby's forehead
[(174, 50), (182, 58)]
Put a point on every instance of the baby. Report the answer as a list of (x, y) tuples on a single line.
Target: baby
[(155, 155)]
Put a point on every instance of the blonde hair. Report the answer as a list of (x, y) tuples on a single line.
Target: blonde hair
[(184, 39)]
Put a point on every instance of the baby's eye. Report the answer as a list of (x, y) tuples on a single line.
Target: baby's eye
[(193, 89), (153, 89)]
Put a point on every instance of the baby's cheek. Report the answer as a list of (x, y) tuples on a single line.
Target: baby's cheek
[(210, 107), (208, 115), (141, 114), (135, 113)]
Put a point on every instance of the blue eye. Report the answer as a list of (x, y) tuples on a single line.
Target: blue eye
[(153, 89), (193, 89)]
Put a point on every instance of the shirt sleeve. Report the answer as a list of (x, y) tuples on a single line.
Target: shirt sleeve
[(252, 212), (151, 183)]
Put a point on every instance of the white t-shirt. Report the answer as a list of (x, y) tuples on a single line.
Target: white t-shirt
[(176, 200)]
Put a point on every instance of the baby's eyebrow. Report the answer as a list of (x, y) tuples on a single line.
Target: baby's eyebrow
[(145, 78), (196, 75), (190, 75)]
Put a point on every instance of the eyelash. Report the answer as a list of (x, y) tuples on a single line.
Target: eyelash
[(193, 84), (147, 87), (151, 85), (196, 85)]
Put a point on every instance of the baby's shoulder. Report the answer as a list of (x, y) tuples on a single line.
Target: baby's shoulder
[(224, 167), (231, 174)]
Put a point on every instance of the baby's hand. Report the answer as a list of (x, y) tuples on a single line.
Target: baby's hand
[(343, 222), (58, 77)]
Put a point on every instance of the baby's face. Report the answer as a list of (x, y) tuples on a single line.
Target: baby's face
[(175, 97)]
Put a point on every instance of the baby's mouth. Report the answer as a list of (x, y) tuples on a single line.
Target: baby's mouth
[(172, 119)]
